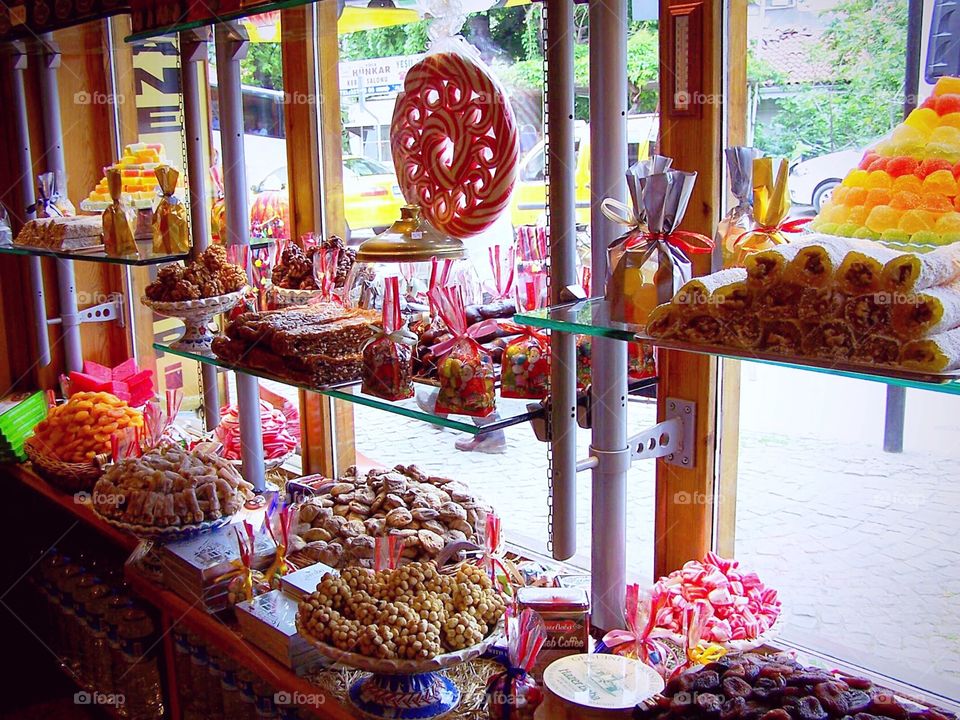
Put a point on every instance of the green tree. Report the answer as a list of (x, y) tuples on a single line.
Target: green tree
[(263, 66), (865, 44), (385, 42)]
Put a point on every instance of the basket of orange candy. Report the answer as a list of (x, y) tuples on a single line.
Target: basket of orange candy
[(65, 448)]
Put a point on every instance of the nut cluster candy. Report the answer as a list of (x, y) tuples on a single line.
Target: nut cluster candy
[(295, 269), (170, 486), (760, 687), (411, 613), (208, 276), (82, 427), (338, 526)]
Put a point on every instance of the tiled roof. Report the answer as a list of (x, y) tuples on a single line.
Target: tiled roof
[(796, 54)]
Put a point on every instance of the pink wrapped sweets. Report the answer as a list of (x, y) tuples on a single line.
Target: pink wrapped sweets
[(739, 606)]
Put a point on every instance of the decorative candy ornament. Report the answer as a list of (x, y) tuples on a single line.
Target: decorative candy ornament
[(455, 143)]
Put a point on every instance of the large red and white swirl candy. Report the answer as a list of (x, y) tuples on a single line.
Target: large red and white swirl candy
[(455, 144)]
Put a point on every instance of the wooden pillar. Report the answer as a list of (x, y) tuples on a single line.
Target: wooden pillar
[(313, 129), (691, 93)]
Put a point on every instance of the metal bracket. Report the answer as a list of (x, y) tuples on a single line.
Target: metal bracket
[(193, 44), (49, 51), (539, 423), (673, 439), (238, 42), (104, 312)]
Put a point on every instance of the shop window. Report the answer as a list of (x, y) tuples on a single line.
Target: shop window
[(855, 531)]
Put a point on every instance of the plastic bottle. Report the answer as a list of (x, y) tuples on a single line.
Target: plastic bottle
[(143, 695)]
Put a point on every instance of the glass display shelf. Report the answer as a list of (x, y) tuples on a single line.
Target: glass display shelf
[(220, 18), (592, 317), (97, 254), (584, 317), (509, 411)]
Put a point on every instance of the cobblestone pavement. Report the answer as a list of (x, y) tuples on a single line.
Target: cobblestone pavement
[(862, 544)]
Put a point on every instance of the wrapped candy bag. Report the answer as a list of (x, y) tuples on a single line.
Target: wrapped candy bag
[(280, 525), (698, 652), (244, 583), (387, 551), (739, 219), (771, 205), (171, 234), (465, 369), (655, 261), (52, 200), (387, 370), (118, 219), (514, 694), (503, 267), (218, 209), (637, 175), (525, 367), (641, 639), (641, 360)]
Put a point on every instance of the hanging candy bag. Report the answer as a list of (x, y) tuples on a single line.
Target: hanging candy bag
[(525, 368), (170, 230), (465, 369), (387, 370), (739, 219), (118, 219), (514, 694)]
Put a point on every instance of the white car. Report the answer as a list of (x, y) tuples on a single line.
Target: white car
[(812, 181)]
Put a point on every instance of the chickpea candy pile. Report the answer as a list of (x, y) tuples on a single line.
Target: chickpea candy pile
[(411, 613)]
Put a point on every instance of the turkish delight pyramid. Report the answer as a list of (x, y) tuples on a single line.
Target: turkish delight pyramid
[(137, 167), (905, 190)]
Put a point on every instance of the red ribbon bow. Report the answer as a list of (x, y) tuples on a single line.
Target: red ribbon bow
[(790, 226)]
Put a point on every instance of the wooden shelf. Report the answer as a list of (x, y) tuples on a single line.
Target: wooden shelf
[(80, 509), (229, 641)]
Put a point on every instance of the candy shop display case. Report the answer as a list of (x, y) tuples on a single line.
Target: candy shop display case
[(321, 679)]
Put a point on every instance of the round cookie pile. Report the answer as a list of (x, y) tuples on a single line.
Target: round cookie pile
[(411, 613), (338, 526)]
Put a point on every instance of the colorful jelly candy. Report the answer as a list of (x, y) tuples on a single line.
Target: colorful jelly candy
[(879, 179), (856, 178), (923, 119), (935, 202), (902, 165), (883, 217), (858, 215), (948, 120), (948, 223), (914, 221), (925, 237), (877, 196), (932, 165), (908, 183), (940, 181), (905, 200), (946, 85), (946, 104), (894, 235)]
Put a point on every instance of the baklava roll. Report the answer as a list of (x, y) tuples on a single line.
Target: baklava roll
[(862, 268), (766, 267), (938, 353), (832, 339), (782, 336), (930, 312), (916, 272)]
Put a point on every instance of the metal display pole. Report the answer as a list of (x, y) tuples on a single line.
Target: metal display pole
[(231, 41), (608, 110), (53, 136), (193, 49), (18, 63), (563, 272)]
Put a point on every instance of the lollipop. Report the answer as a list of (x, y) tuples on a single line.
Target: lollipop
[(455, 144)]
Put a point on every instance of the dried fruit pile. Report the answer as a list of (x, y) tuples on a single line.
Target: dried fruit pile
[(757, 687), (410, 613), (338, 526)]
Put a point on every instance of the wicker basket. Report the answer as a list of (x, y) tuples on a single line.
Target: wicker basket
[(69, 477)]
